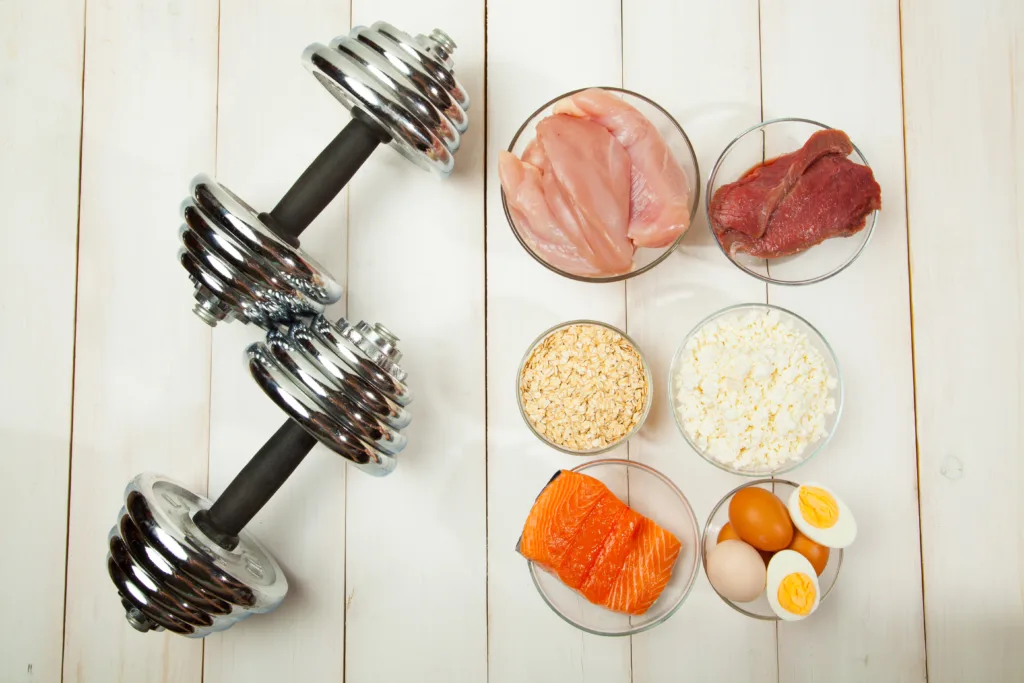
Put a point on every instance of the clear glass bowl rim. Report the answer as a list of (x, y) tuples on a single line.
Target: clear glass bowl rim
[(668, 250), (839, 385), (704, 558), (691, 581), (767, 278), (647, 374)]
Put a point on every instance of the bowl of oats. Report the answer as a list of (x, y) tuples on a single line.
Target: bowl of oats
[(583, 387), (756, 390)]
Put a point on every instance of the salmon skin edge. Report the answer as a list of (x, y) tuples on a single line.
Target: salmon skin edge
[(550, 481)]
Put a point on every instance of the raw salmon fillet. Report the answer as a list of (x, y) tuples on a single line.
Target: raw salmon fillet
[(617, 547), (577, 563), (596, 545), (646, 571), (557, 516)]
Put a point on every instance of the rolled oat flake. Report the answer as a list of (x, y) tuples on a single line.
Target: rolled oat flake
[(584, 387)]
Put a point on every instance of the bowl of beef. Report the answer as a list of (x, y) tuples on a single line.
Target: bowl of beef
[(599, 184), (792, 201)]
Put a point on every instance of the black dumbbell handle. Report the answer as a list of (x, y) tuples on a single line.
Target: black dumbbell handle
[(326, 177), (260, 479), (264, 474)]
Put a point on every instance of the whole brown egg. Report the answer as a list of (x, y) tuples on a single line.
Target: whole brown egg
[(815, 553), (760, 519), (728, 533)]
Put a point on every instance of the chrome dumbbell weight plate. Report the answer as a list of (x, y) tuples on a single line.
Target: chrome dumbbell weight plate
[(342, 383), (171, 576), (404, 84), (240, 268)]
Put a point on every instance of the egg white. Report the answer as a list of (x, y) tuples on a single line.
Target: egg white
[(839, 535), (782, 564)]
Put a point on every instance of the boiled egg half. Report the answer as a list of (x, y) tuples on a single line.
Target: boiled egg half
[(821, 516), (792, 587)]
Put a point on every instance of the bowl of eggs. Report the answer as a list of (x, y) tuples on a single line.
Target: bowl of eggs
[(773, 548)]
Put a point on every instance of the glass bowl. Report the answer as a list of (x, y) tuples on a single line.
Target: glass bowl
[(760, 609), (816, 340), (625, 437), (652, 495), (751, 148), (678, 143)]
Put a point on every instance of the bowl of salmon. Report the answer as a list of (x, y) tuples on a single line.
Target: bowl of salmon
[(613, 546), (792, 201), (599, 184)]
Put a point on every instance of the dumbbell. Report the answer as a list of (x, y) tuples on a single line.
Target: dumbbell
[(184, 563), (400, 91), (181, 562)]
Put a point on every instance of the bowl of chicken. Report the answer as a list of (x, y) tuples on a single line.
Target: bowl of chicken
[(599, 184)]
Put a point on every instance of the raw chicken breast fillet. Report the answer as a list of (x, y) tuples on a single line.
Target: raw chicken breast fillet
[(569, 197), (535, 222), (659, 192), (593, 172)]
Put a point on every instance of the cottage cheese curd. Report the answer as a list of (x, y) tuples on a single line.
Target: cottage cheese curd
[(752, 392)]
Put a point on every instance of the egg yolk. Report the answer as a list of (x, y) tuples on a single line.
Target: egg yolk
[(796, 594), (818, 507)]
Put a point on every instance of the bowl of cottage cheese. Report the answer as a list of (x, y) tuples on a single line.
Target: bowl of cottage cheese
[(755, 390)]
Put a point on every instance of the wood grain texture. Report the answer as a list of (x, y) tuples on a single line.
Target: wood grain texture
[(273, 119), (964, 101), (713, 105), (41, 86), (142, 366), (416, 540), (871, 626), (415, 577), (536, 51)]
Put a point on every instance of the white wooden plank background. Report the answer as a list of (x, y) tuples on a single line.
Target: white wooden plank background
[(39, 153), (964, 102), (108, 108)]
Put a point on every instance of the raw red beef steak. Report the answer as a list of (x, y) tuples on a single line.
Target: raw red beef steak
[(797, 200)]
